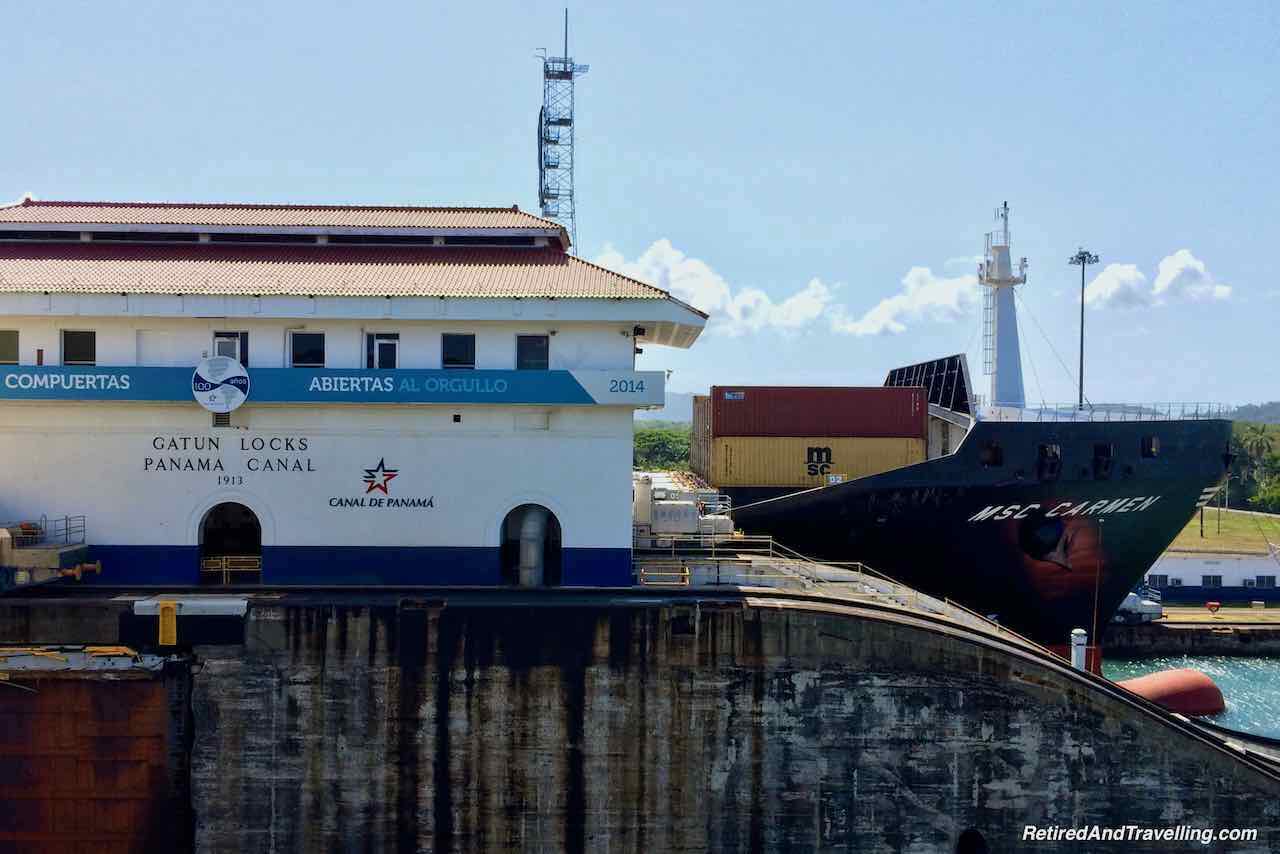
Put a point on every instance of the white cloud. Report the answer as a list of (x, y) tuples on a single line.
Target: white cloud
[(1184, 275), (1119, 285), (691, 280), (1180, 276), (924, 295)]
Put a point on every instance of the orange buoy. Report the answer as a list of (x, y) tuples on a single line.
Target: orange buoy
[(1213, 606), (1189, 692)]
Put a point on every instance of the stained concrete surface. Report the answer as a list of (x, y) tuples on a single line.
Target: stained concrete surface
[(673, 727)]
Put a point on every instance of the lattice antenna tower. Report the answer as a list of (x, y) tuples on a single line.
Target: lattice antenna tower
[(555, 138)]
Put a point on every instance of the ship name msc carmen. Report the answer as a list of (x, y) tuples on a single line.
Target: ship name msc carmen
[(323, 394)]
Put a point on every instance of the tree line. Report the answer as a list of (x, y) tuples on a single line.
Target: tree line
[(1265, 413), (1255, 471), (662, 445)]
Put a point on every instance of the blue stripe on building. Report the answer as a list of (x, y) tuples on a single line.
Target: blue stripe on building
[(357, 565), (299, 385), (1189, 594)]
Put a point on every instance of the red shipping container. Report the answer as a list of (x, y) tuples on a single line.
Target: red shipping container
[(819, 411)]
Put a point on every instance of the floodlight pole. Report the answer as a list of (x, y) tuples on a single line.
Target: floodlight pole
[(1082, 259)]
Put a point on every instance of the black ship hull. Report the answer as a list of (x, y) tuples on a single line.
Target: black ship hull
[(1042, 549)]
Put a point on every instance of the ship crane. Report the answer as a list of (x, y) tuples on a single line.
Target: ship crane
[(1001, 358)]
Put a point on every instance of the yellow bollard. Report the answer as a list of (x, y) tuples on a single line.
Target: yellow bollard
[(168, 613)]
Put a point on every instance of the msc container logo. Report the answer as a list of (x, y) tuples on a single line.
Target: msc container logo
[(818, 461), (220, 384)]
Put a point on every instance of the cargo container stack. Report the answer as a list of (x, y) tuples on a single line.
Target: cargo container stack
[(757, 442)]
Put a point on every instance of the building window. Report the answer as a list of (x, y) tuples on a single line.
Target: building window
[(533, 352), (1175, 582), (1150, 447), (458, 352), (1103, 460), (79, 348), (232, 344), (1211, 581), (382, 350), (992, 455), (1049, 462), (1266, 581), (306, 349), (1158, 580), (8, 347)]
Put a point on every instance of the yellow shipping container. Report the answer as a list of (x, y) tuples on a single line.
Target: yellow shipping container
[(805, 461)]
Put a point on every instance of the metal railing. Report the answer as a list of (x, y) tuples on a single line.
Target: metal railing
[(713, 546), (720, 572), (221, 569), (59, 531), (760, 561), (663, 575), (1146, 591), (717, 506), (738, 560), (1056, 412)]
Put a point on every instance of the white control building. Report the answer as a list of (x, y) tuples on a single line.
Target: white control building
[(323, 395)]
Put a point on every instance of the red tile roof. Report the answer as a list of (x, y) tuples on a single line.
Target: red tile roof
[(344, 271), (34, 212)]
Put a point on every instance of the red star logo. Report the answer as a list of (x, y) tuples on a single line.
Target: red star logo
[(378, 477)]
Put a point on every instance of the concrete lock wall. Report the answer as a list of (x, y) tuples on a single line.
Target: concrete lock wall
[(672, 728)]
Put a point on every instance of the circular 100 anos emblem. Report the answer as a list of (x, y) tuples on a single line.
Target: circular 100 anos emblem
[(220, 384)]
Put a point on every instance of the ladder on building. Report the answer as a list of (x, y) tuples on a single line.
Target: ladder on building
[(988, 331)]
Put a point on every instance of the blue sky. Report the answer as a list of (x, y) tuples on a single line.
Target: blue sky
[(821, 176)]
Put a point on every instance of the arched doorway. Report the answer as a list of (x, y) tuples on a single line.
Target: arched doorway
[(530, 552), (230, 545)]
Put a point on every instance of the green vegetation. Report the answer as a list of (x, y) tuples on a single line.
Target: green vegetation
[(1255, 474), (1247, 533), (1267, 413), (662, 445)]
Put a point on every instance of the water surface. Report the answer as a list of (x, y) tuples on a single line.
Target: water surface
[(1250, 686)]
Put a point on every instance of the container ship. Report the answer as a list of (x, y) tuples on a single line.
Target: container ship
[(1042, 518)]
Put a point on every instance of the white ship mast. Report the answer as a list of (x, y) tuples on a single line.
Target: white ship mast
[(1000, 354)]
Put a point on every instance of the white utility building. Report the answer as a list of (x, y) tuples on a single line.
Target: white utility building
[(323, 395)]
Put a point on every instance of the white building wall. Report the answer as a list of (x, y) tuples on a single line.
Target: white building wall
[(1190, 569), (597, 345), (101, 460), (115, 463)]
